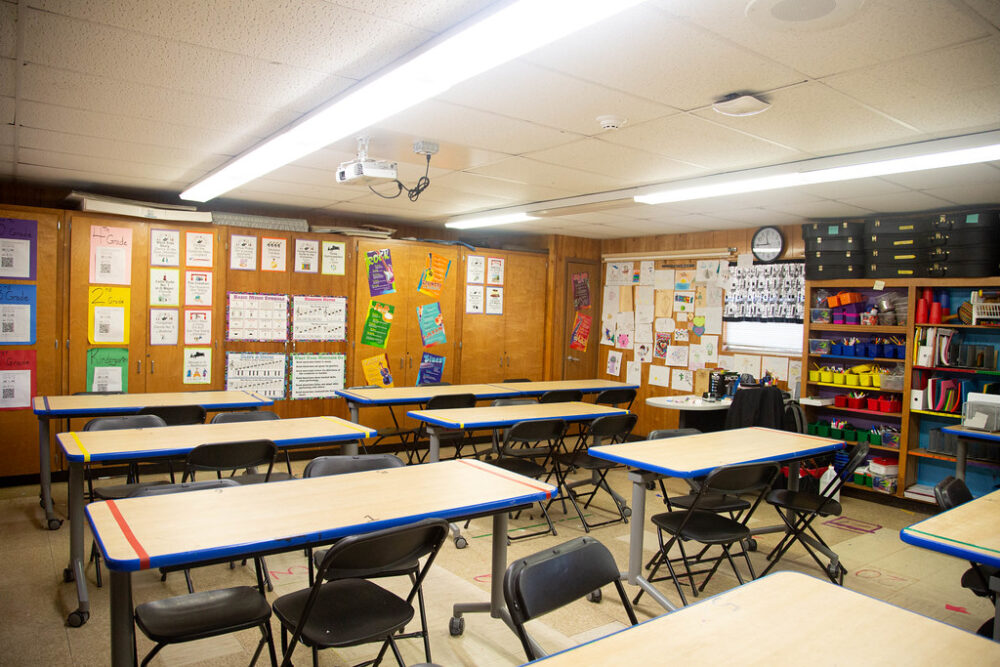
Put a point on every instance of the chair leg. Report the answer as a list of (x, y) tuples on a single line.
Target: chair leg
[(395, 652), (151, 654), (95, 556), (187, 578)]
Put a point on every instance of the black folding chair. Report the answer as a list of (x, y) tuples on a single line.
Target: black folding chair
[(251, 416), (454, 437), (618, 397), (555, 577), (343, 607), (527, 447), (798, 509), (220, 457), (561, 396)]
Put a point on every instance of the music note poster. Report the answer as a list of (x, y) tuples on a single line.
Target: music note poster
[(320, 318), (258, 317), (260, 373)]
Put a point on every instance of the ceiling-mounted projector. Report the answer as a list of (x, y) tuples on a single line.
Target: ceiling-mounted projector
[(364, 170)]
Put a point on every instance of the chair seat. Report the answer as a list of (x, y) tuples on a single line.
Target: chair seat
[(704, 527), (519, 466), (803, 501), (202, 614), (401, 571), (259, 477), (712, 503), (972, 580), (585, 461), (346, 612), (119, 491)]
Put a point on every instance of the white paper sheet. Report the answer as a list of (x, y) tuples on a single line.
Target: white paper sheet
[(15, 319), (15, 258), (608, 324), (164, 247), (696, 356), (618, 273), (197, 365), (794, 373), (747, 363), (164, 287), (306, 256), (475, 299), (243, 252), (197, 288), (259, 317), (682, 379), (273, 253), (644, 352), (614, 366), (109, 324), (16, 389), (665, 324), (611, 301), (197, 327), (677, 355), (711, 347), (644, 333), (778, 366), (163, 326), (659, 376), (663, 279), (494, 300), (681, 335), (713, 321), (727, 361), (334, 260), (684, 301), (633, 372), (646, 273), (199, 251), (475, 271)]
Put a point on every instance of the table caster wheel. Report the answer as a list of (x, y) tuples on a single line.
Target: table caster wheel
[(594, 596), (456, 626), (751, 544), (461, 542), (68, 575), (54, 524), (833, 570), (650, 486), (77, 618)]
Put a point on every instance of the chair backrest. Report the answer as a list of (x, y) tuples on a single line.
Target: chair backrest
[(616, 396), (951, 492), (360, 556), (447, 401), (517, 380), (756, 406), (128, 421), (245, 416), (231, 456), (661, 433), (522, 400), (177, 415), (434, 384), (322, 466), (561, 396), (535, 430), (858, 456), (183, 487), (741, 478), (550, 579), (613, 427)]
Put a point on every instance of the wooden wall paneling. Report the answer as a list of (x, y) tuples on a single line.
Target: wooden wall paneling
[(20, 427), (525, 303), (483, 340)]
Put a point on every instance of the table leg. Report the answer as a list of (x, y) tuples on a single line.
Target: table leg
[(52, 522), (995, 587), (961, 454), (434, 453), (634, 574), (353, 407), (122, 624), (75, 572)]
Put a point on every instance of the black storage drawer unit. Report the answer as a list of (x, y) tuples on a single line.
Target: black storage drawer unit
[(813, 230)]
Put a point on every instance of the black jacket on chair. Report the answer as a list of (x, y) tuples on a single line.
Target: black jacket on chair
[(756, 406)]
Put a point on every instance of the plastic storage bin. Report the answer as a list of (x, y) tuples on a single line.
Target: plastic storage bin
[(819, 346)]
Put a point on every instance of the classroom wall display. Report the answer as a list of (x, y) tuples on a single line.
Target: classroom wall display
[(475, 269), (376, 370), (18, 305), (243, 252), (334, 258), (381, 278), (110, 255), (306, 256), (431, 368), (107, 369), (659, 376), (258, 372), (431, 323), (581, 331), (197, 327), (378, 324), (198, 288), (581, 290), (773, 292), (257, 317), (164, 247), (18, 372), (494, 301), (319, 318), (163, 326), (682, 379), (273, 254), (614, 365), (316, 375), (18, 248), (661, 345), (495, 267), (197, 365), (434, 274), (164, 287), (108, 314), (618, 273), (475, 299), (199, 249)]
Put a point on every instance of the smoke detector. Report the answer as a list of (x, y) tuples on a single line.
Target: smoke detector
[(611, 122), (802, 15)]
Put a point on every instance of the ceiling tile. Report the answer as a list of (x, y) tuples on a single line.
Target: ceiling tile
[(859, 187), (941, 178), (386, 144), (8, 67), (988, 9), (968, 194), (549, 175), (755, 217), (902, 202), (625, 164), (824, 209), (7, 111), (8, 30), (86, 179), (499, 187), (108, 169), (278, 197)]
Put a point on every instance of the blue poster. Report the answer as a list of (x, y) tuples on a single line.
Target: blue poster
[(431, 369), (431, 324), (17, 314)]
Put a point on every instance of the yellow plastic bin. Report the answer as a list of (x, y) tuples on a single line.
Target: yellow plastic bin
[(840, 378), (826, 376), (852, 379)]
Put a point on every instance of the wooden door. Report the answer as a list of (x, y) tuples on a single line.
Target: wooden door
[(581, 364), (524, 316)]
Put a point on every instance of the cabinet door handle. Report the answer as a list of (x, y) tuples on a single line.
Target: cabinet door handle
[(152, 366), (501, 361), (572, 358), (138, 367), (410, 359), (402, 362)]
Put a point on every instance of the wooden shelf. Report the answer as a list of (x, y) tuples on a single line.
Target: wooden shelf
[(869, 489), (860, 411), (879, 447), (925, 454), (854, 387), (845, 356), (948, 415), (858, 328), (953, 369)]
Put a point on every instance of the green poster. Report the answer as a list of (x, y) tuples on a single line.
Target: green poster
[(377, 324), (107, 369)]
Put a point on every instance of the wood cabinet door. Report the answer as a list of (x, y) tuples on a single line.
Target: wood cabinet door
[(397, 342), (524, 316), (417, 263)]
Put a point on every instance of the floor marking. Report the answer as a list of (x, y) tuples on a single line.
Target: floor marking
[(853, 525)]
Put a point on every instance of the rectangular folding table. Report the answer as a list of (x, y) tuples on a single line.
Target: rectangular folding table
[(82, 447), (964, 435), (229, 523), (692, 456)]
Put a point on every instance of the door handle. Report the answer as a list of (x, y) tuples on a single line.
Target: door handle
[(138, 367), (508, 360), (409, 359), (152, 366), (402, 363), (572, 358)]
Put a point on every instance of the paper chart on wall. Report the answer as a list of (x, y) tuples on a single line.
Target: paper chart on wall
[(319, 318), (665, 324), (581, 290), (794, 373), (494, 300), (624, 330), (378, 324), (260, 373), (164, 287), (682, 379), (776, 366), (110, 255), (197, 365), (273, 253), (198, 288), (18, 305), (633, 372), (334, 260), (663, 279), (581, 331), (198, 249), (684, 302), (475, 269), (306, 256), (107, 369), (108, 314), (18, 371), (659, 376), (646, 273), (614, 365), (316, 375), (163, 326), (435, 273), (660, 345), (381, 277), (257, 317), (242, 252), (643, 333), (618, 273), (18, 248), (164, 247), (677, 355), (747, 363), (495, 267), (684, 279), (475, 299), (663, 303), (197, 327)]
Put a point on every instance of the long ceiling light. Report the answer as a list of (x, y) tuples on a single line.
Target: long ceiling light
[(937, 154), (489, 220), (470, 49)]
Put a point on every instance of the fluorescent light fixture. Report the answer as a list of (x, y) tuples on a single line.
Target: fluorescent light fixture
[(471, 49), (704, 253), (953, 152), (489, 220)]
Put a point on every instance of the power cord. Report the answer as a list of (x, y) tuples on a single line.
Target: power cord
[(412, 193)]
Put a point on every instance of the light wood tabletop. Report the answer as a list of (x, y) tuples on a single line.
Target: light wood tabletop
[(761, 622), (586, 386), (969, 531), (96, 404), (124, 444), (505, 415), (421, 394), (696, 455)]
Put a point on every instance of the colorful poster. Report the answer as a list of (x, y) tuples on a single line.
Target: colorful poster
[(334, 258), (199, 250), (431, 368), (618, 273), (614, 366), (107, 369), (197, 327), (495, 270), (475, 299), (18, 304), (683, 302), (272, 254), (17, 378), (684, 280), (660, 345), (434, 275), (242, 253), (164, 247), (321, 318), (259, 317), (306, 256), (197, 365), (431, 323), (164, 287), (18, 248), (198, 288), (682, 379), (494, 301), (110, 255), (581, 332), (581, 290), (381, 279), (475, 269), (316, 375), (377, 324), (108, 314), (260, 373), (376, 370), (163, 326)]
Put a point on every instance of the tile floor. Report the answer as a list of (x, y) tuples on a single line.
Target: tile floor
[(35, 602)]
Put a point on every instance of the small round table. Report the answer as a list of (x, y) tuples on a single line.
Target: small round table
[(694, 412)]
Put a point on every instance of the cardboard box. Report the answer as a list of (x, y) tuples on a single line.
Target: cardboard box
[(701, 380)]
